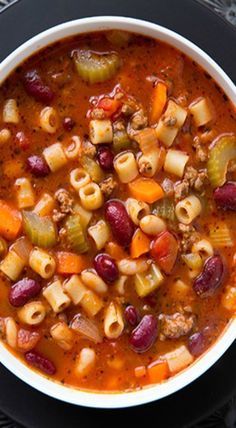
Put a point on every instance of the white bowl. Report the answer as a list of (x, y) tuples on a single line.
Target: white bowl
[(174, 384)]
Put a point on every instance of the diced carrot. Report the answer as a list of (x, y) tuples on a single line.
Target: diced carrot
[(69, 263), (146, 190), (140, 371), (165, 250), (158, 102), (115, 251), (10, 221), (140, 244), (158, 371)]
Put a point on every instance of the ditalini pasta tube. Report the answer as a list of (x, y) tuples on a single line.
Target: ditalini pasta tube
[(175, 162), (56, 296), (79, 178), (113, 321), (201, 112), (100, 131), (126, 166), (10, 112), (32, 313), (49, 120), (100, 233), (55, 156), (188, 209), (136, 209), (91, 196), (42, 263)]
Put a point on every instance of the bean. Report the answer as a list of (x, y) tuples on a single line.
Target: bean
[(211, 277), (22, 140), (144, 335), (105, 158), (106, 267), (121, 225), (21, 292), (196, 344), (225, 196), (40, 362), (68, 123), (35, 87), (37, 166), (131, 315)]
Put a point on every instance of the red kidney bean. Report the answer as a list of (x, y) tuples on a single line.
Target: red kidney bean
[(211, 277), (37, 166), (131, 315), (68, 123), (35, 87), (144, 335), (106, 267), (40, 362), (22, 141), (121, 225), (23, 291), (105, 158), (27, 340), (196, 344), (225, 196)]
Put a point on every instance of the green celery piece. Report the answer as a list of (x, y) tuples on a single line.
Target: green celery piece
[(76, 236), (41, 231), (96, 67)]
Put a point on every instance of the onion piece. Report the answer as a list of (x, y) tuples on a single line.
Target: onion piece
[(86, 328), (22, 248)]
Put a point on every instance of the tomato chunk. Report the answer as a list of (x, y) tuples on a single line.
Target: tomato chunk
[(164, 251), (109, 105)]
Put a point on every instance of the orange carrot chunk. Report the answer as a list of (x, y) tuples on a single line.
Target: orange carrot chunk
[(158, 102), (158, 371), (10, 221), (146, 190), (69, 263), (115, 251), (140, 244)]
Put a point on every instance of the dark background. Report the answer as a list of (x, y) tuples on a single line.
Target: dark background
[(214, 392)]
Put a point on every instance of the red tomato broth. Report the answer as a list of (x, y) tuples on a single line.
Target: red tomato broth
[(141, 57)]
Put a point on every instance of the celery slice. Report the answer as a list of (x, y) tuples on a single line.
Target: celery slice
[(96, 67), (147, 282), (75, 234), (92, 168), (165, 208), (193, 260), (121, 141), (221, 154), (41, 231)]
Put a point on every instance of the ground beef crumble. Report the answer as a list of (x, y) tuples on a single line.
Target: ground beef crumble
[(65, 202), (176, 325), (108, 186)]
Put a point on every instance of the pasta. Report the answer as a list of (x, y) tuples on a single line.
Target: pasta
[(178, 359), (73, 150), (201, 112), (55, 156), (120, 284), (79, 178), (148, 164), (25, 193), (137, 209), (126, 166), (203, 248), (75, 288), (45, 205), (85, 216), (188, 209), (62, 335), (32, 313), (93, 281), (100, 131), (49, 120), (100, 233), (11, 112), (170, 123), (12, 265), (91, 303), (113, 321), (175, 162), (42, 263), (56, 296), (91, 196)]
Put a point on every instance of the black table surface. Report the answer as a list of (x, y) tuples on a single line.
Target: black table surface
[(217, 387)]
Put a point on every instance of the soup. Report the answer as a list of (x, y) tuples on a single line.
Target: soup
[(117, 205)]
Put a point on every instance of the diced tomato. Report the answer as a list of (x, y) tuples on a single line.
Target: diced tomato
[(164, 251), (109, 105)]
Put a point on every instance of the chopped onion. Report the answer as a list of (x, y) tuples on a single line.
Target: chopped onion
[(86, 328)]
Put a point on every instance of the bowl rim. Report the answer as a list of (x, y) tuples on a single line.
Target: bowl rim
[(185, 377)]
